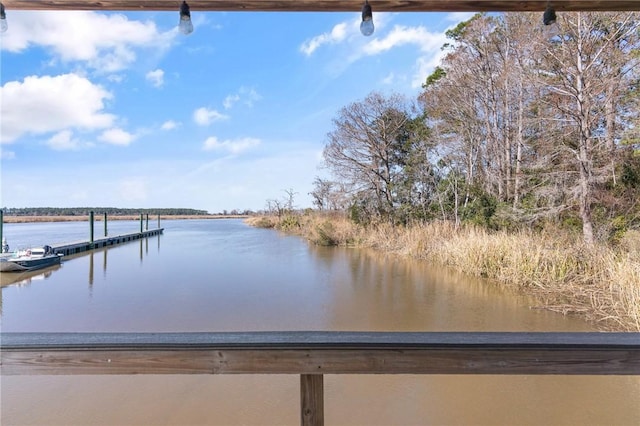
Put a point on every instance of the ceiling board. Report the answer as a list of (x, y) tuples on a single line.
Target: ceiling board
[(329, 5)]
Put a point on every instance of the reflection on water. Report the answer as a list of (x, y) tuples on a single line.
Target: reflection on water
[(225, 276), (389, 293), (100, 254), (26, 277)]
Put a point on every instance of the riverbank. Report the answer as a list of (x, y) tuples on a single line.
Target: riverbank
[(600, 283), (99, 217)]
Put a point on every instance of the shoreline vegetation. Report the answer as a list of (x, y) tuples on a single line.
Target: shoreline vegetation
[(599, 282)]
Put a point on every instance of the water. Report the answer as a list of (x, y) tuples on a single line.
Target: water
[(221, 275)]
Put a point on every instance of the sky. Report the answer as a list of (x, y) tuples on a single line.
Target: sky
[(115, 109)]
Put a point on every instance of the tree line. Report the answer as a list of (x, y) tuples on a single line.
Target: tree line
[(518, 126), (84, 211)]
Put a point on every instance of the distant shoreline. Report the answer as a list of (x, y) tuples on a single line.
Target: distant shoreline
[(99, 217)]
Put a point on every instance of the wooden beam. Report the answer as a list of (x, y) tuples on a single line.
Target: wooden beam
[(321, 353), (311, 400), (329, 5)]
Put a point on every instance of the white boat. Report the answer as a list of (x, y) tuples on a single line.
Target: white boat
[(29, 260)]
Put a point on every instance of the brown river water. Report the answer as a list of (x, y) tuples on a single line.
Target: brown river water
[(222, 275)]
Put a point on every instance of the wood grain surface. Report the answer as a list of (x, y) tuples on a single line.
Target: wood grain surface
[(329, 5), (321, 353)]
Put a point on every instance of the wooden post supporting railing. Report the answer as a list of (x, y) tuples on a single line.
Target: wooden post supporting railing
[(311, 399), (312, 354)]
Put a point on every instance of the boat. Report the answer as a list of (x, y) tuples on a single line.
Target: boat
[(30, 259)]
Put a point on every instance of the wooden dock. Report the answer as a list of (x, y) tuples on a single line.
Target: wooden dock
[(81, 246)]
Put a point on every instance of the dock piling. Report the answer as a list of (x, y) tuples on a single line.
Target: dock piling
[(91, 227), (105, 225)]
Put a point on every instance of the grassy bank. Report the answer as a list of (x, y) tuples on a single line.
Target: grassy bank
[(601, 283), (99, 217)]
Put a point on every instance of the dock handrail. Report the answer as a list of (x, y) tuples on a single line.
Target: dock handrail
[(313, 354)]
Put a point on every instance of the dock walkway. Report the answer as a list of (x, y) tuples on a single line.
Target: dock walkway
[(81, 246)]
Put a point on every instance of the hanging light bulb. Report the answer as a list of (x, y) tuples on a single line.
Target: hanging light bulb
[(549, 16), (3, 20), (185, 26), (366, 26)]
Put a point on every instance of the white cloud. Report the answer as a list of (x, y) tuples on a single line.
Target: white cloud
[(249, 96), (116, 136), (230, 100), (400, 35), (48, 104), (347, 32), (356, 47), (170, 125), (429, 43), (116, 78), (156, 77), (337, 34), (425, 66), (246, 95), (232, 146), (204, 116), (63, 141), (459, 16), (105, 42), (389, 79)]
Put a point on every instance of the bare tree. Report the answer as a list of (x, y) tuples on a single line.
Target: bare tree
[(368, 149), (289, 199), (329, 195), (320, 193), (275, 207), (582, 69), (531, 121)]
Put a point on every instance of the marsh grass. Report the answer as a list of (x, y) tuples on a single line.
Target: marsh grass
[(601, 282), (262, 221)]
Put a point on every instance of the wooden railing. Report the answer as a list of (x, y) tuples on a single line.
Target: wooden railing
[(313, 354)]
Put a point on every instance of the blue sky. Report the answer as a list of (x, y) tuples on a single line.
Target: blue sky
[(121, 110)]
